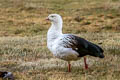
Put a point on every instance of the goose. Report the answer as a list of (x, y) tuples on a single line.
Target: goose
[(69, 47), (6, 75)]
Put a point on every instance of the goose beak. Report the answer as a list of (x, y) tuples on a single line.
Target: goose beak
[(47, 19)]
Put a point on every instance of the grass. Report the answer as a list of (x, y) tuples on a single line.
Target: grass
[(29, 59), (23, 31), (23, 18)]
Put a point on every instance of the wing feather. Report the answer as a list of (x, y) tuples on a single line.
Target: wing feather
[(82, 46)]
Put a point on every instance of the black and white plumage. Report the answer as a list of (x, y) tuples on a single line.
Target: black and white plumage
[(82, 46), (6, 75), (67, 46)]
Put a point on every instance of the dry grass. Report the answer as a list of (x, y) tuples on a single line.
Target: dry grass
[(23, 30), (29, 59), (26, 17)]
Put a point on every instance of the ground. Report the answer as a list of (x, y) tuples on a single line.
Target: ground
[(23, 32)]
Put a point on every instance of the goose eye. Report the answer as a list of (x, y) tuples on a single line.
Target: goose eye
[(52, 16)]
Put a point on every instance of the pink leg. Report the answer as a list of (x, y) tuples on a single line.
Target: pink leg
[(86, 65), (69, 67)]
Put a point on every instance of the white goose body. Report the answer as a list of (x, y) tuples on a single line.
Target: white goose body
[(55, 44), (67, 46)]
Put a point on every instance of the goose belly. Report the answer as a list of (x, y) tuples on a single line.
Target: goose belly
[(64, 53)]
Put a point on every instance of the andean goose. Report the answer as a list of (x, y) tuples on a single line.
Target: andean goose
[(69, 47)]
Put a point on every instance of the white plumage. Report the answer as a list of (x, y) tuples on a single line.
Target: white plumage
[(56, 39), (67, 46)]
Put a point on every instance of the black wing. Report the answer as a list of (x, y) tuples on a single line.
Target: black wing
[(83, 47)]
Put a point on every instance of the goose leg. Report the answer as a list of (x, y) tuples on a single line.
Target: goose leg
[(86, 65), (69, 66)]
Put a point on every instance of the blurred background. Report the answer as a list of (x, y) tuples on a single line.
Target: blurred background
[(26, 17)]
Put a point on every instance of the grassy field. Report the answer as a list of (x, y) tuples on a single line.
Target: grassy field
[(23, 31)]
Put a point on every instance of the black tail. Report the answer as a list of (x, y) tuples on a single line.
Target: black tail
[(95, 50), (101, 56)]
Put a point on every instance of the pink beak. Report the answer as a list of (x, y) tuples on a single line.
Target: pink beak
[(47, 19)]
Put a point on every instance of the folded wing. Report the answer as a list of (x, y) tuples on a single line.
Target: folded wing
[(82, 46)]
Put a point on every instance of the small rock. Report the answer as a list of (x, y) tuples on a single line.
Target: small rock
[(78, 18)]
